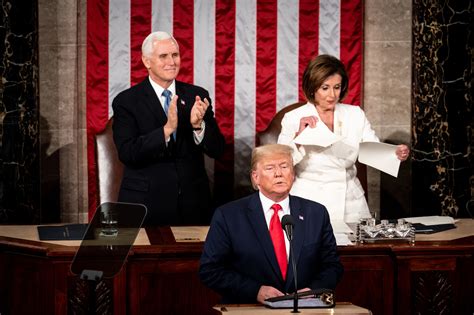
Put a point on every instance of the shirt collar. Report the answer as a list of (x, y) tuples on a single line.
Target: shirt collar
[(267, 203), (159, 89)]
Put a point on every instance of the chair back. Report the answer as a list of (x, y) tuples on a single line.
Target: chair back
[(270, 134), (109, 169)]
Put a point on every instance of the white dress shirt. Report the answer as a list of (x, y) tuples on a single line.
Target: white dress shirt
[(268, 213)]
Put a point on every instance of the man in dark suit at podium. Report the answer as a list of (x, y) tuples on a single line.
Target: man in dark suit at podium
[(245, 258), (162, 129)]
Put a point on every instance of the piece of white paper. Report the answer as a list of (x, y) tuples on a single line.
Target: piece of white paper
[(305, 303), (380, 156), (339, 226), (342, 239), (431, 220), (319, 135)]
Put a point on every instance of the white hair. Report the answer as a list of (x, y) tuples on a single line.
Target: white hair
[(147, 46)]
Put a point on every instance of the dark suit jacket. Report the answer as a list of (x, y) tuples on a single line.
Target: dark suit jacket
[(171, 179), (238, 254)]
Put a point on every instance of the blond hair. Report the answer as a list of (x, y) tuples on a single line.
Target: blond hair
[(259, 153)]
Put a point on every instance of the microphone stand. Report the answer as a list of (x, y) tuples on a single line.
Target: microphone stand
[(287, 223), (295, 297)]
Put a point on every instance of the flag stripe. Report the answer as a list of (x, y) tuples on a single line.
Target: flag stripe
[(119, 49), (308, 39), (204, 56), (162, 16), (249, 54), (351, 48), (204, 44), (329, 27), (97, 85), (225, 99), (140, 27), (287, 54), (245, 89), (183, 31), (266, 62)]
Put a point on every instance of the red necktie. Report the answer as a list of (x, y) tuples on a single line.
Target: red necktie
[(276, 233)]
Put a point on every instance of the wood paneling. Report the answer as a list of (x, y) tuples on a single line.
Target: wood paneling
[(430, 277)]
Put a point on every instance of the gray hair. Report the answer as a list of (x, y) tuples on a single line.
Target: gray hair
[(147, 46)]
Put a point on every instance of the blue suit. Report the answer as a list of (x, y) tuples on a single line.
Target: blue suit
[(238, 256)]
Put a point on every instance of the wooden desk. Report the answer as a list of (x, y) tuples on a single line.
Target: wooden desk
[(436, 275), (340, 309)]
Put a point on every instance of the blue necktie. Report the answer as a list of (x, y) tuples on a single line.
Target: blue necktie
[(167, 95)]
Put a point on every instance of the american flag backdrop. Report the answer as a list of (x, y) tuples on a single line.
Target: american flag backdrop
[(249, 55)]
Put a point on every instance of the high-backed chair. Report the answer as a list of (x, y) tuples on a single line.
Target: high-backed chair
[(270, 135), (109, 168)]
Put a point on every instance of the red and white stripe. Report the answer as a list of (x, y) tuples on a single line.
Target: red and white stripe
[(249, 54)]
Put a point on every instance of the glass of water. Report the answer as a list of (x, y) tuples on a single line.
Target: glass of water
[(109, 222)]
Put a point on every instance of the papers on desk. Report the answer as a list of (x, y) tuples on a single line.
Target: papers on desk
[(320, 136), (339, 226), (302, 303), (380, 156), (67, 232), (431, 224), (190, 233), (342, 239), (341, 232), (319, 298), (431, 220)]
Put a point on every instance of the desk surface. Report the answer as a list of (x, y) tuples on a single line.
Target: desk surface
[(464, 228), (341, 308)]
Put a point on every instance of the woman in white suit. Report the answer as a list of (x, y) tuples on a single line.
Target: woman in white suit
[(328, 174)]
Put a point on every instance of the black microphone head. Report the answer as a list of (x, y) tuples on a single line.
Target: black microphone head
[(287, 219)]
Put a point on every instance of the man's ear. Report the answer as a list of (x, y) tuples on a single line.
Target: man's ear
[(146, 62), (254, 176)]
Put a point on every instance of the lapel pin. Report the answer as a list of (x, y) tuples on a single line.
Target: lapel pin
[(301, 218)]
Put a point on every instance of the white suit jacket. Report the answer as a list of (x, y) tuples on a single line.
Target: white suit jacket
[(328, 175)]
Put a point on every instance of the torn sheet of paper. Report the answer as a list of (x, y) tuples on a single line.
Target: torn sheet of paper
[(319, 135), (380, 156)]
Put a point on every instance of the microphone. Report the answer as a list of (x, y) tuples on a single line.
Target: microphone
[(288, 223)]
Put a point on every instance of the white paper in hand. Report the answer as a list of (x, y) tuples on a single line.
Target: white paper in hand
[(320, 136), (380, 156)]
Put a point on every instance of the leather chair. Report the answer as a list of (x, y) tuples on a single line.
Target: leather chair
[(109, 169), (270, 135)]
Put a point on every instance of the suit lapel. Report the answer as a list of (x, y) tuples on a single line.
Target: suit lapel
[(259, 225), (153, 102), (298, 214)]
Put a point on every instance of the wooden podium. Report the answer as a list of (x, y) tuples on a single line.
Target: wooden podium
[(161, 274), (340, 309)]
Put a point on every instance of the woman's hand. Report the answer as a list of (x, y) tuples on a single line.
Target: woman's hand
[(309, 121), (402, 152)]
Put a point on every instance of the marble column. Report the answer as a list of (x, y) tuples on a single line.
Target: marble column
[(387, 98), (442, 122), (62, 64), (19, 136)]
